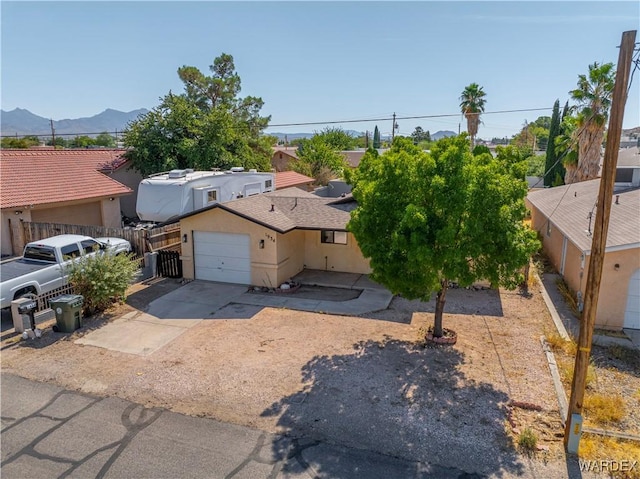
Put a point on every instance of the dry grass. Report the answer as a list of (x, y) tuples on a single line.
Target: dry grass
[(603, 409), (568, 295), (598, 448), (558, 343), (567, 364)]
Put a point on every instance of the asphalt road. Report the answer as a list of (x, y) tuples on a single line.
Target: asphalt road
[(49, 432)]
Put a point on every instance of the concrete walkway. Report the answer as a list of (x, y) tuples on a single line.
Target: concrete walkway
[(374, 297), (557, 304)]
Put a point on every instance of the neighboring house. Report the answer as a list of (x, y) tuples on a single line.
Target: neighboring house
[(288, 179), (57, 186), (354, 157), (119, 169), (265, 240), (283, 157), (565, 217)]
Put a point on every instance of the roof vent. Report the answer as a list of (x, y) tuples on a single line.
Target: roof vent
[(253, 170), (178, 173), (237, 169)]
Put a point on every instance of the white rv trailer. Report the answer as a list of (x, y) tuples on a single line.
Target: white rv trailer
[(167, 196)]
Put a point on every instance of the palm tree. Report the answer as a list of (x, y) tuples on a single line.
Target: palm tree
[(593, 97), (472, 105)]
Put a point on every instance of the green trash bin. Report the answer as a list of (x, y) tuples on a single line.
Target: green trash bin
[(68, 309)]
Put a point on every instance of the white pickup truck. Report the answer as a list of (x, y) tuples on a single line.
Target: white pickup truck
[(42, 267)]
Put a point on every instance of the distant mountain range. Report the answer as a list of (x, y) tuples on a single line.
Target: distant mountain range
[(22, 122)]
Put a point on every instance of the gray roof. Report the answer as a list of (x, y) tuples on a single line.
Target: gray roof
[(292, 209), (568, 208), (629, 157)]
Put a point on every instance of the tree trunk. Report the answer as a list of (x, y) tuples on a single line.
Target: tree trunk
[(570, 174), (440, 300), (589, 147)]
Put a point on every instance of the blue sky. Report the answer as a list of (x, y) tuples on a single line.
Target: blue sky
[(315, 61)]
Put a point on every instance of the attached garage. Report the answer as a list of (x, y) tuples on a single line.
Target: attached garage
[(632, 311), (223, 257)]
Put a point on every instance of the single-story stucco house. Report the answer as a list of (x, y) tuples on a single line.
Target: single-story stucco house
[(264, 240), (565, 215), (58, 186)]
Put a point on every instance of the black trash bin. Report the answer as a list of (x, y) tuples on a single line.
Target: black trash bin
[(68, 309)]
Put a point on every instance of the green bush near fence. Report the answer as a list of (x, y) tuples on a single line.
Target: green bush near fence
[(102, 279)]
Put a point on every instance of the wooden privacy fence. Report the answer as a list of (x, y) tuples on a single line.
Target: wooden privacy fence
[(142, 240), (169, 264)]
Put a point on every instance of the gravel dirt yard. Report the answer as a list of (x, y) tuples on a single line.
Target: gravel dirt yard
[(366, 382)]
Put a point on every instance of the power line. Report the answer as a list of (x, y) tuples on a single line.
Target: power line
[(331, 122)]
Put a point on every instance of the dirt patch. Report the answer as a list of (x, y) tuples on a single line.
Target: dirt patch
[(365, 382)]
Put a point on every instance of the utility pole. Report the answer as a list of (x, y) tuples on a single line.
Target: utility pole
[(573, 424), (53, 133), (393, 128)]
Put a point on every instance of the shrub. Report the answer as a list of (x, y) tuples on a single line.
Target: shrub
[(527, 440), (102, 279)]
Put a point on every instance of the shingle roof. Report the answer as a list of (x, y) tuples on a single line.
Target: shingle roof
[(569, 206), (286, 179), (35, 177), (629, 157), (292, 151), (292, 209)]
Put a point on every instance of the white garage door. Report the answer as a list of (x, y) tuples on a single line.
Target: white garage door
[(632, 311), (222, 257)]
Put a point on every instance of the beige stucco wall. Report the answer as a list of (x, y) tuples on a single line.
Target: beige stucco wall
[(11, 227), (283, 255), (132, 179), (614, 285), (334, 257), (103, 212)]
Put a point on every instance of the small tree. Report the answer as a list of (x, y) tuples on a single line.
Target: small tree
[(424, 219), (376, 138), (553, 166), (102, 278)]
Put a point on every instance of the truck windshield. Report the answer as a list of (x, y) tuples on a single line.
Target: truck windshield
[(41, 253)]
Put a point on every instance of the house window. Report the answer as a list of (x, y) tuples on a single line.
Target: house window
[(212, 196), (267, 184), (334, 237)]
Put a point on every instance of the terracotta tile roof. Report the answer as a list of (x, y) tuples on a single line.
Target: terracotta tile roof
[(35, 177), (292, 209), (569, 207), (287, 179)]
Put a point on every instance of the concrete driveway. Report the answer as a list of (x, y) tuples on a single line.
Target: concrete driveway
[(169, 316), (165, 319)]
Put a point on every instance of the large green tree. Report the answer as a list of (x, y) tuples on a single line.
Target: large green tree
[(207, 126), (472, 106), (425, 219), (320, 157), (593, 100)]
